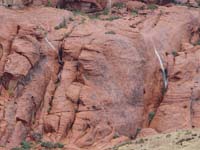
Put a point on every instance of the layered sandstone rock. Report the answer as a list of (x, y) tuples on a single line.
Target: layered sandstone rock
[(105, 81)]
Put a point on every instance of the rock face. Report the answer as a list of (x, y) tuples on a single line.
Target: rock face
[(86, 81)]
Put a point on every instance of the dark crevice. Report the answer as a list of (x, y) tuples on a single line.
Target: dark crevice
[(80, 102), (176, 77), (18, 28), (5, 79), (60, 56), (23, 121), (191, 106), (161, 95), (51, 101), (61, 64), (20, 53)]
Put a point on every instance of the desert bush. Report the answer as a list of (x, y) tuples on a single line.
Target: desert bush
[(119, 5), (152, 7), (151, 116), (110, 32), (51, 145)]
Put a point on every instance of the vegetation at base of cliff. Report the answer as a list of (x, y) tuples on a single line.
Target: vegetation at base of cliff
[(111, 18), (140, 141), (134, 12), (49, 4), (136, 133), (197, 43), (37, 137), (29, 145), (24, 146), (152, 7), (105, 11), (78, 12), (119, 5), (174, 53), (151, 116), (121, 144), (94, 16), (52, 145)]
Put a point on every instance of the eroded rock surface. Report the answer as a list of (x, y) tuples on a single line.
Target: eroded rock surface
[(93, 83)]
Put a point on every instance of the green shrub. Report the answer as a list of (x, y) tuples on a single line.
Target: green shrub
[(138, 130), (168, 135), (174, 53), (105, 11), (119, 5), (140, 141), (58, 145), (152, 7), (175, 2), (136, 133), (197, 43), (134, 12), (52, 145), (49, 110), (151, 116), (112, 18), (49, 4), (78, 12), (94, 16), (25, 145), (188, 132), (110, 32), (47, 144), (36, 137)]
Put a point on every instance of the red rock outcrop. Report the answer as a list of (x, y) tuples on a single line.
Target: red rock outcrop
[(94, 80)]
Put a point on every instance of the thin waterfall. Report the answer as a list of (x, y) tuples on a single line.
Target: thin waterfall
[(165, 80), (49, 43)]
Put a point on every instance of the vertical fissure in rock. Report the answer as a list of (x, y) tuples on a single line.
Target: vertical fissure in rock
[(60, 62), (191, 106), (160, 85)]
